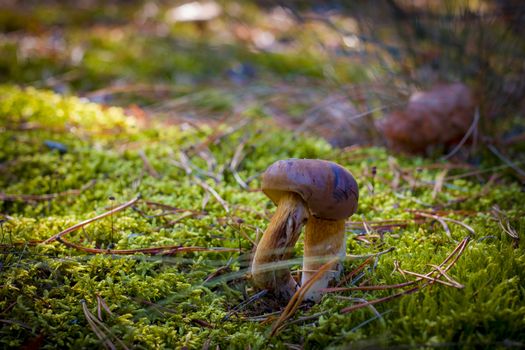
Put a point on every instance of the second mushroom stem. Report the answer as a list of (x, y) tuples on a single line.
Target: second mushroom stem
[(323, 240), (276, 246)]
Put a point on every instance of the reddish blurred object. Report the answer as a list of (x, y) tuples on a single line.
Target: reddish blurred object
[(441, 116)]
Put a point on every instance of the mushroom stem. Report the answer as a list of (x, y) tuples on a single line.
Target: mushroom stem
[(276, 245), (324, 240)]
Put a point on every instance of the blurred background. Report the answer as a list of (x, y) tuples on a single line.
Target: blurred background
[(347, 71)]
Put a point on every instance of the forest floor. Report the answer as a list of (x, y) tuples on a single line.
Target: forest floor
[(131, 148)]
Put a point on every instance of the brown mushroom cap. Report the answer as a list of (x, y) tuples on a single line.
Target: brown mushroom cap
[(329, 190)]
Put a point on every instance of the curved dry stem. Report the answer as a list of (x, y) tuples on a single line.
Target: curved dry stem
[(324, 240), (276, 245)]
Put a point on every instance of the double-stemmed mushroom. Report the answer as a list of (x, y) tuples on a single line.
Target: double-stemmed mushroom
[(319, 193)]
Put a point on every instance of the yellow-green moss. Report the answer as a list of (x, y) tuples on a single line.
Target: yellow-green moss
[(163, 302)]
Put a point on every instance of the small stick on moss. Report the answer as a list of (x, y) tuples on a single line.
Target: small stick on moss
[(507, 161), (440, 220), (450, 279), (216, 137), (380, 300), (456, 253), (18, 323), (237, 158), (355, 271), (299, 295), (164, 250), (101, 330), (180, 218), (459, 248), (380, 287), (214, 193), (190, 168), (245, 303), (432, 279), (473, 127), (445, 226), (147, 165), (168, 208), (88, 221), (101, 304), (219, 271), (438, 185), (44, 197), (504, 224)]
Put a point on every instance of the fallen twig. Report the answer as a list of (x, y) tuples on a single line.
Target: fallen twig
[(44, 197), (147, 165), (355, 271), (440, 220), (506, 227), (245, 303), (236, 160), (432, 279), (101, 330), (214, 193), (469, 132), (441, 269), (380, 300), (88, 221), (507, 161), (163, 250), (298, 297)]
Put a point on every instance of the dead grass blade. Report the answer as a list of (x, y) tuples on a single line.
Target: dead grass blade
[(86, 222)]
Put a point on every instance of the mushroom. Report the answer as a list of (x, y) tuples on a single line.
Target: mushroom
[(321, 194)]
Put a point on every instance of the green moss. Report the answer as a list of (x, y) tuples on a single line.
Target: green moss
[(162, 301)]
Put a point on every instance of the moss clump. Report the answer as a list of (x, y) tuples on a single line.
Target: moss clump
[(57, 296)]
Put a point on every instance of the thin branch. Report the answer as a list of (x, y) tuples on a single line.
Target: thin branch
[(355, 271), (298, 297), (450, 279), (44, 197), (213, 193), (456, 253), (147, 165), (380, 300), (88, 221), (237, 158), (164, 250), (427, 277), (469, 132), (507, 161), (440, 220), (99, 327)]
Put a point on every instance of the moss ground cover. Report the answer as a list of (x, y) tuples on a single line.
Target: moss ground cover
[(64, 160)]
